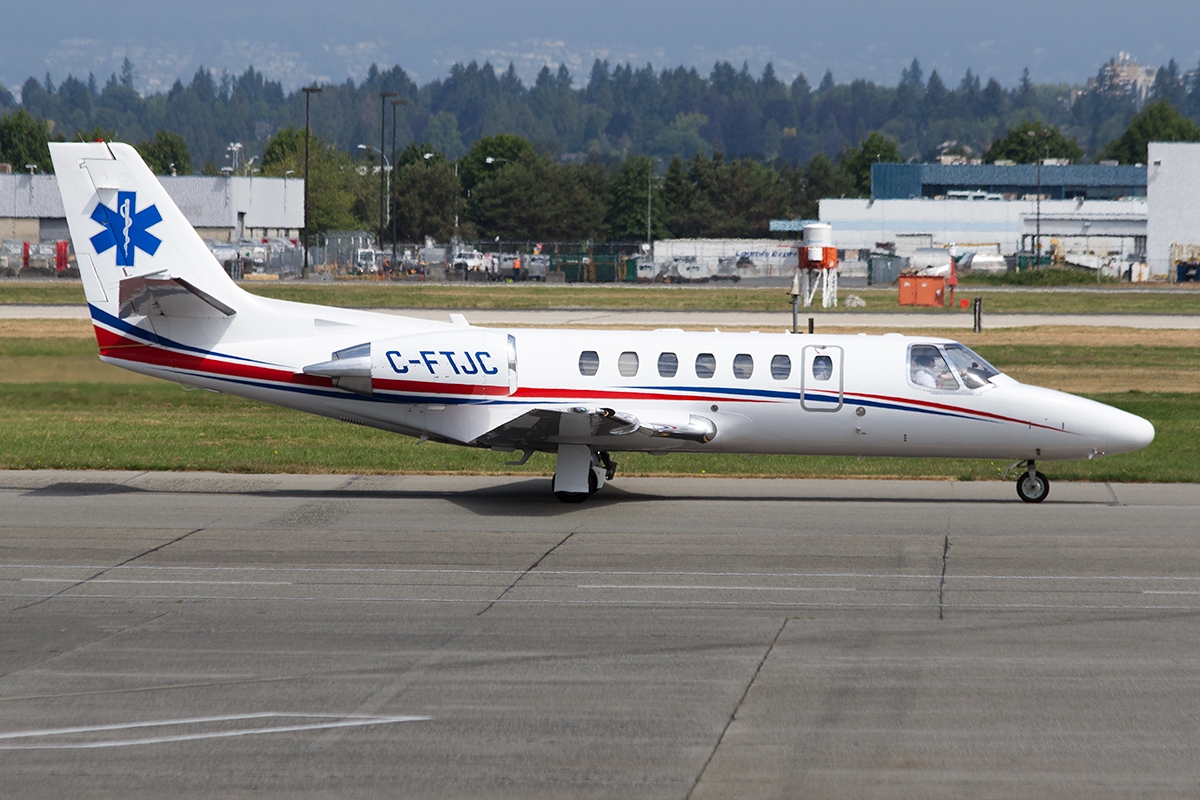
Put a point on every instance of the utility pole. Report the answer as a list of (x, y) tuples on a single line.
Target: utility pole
[(1044, 135), (309, 91), (392, 211), (383, 96)]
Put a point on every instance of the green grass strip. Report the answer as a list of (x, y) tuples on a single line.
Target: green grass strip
[(161, 427)]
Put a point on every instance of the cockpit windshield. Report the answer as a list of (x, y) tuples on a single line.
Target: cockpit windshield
[(975, 371)]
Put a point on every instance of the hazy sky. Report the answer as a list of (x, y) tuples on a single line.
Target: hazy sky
[(298, 41)]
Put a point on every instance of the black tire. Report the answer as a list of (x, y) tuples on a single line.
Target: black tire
[(1033, 489), (572, 497)]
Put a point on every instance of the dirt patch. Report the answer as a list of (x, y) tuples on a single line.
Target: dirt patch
[(1117, 379), (46, 328)]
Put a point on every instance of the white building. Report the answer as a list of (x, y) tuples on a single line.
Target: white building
[(1007, 225), (706, 258), (224, 208), (1173, 182)]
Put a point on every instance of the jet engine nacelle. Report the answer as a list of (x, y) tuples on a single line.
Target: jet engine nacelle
[(449, 366)]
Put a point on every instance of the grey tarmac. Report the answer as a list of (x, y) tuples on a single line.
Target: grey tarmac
[(212, 635)]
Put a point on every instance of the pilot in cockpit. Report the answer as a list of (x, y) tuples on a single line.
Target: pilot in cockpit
[(930, 370)]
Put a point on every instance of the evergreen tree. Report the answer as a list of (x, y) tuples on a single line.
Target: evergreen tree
[(1157, 122), (24, 140), (857, 161), (166, 154), (1030, 142)]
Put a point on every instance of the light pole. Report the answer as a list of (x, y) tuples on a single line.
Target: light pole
[(392, 214), (383, 98), (1044, 135), (309, 91), (385, 186)]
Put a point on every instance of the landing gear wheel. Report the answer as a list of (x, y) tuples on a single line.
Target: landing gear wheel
[(1033, 488), (579, 497)]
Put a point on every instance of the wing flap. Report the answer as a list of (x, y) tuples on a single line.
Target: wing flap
[(546, 428)]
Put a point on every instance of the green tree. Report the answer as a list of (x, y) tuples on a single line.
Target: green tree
[(1157, 122), (735, 199), (24, 140), (97, 133), (821, 178), (442, 134), (876, 148), (632, 187), (166, 153), (536, 199), (1031, 141), (502, 150), (335, 187), (428, 200)]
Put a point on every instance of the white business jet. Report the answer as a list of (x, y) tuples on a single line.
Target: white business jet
[(162, 305)]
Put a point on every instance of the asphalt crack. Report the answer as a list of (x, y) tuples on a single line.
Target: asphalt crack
[(736, 708), (528, 570), (942, 582), (106, 570)]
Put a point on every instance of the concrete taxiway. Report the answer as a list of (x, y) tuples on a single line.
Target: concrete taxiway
[(188, 635)]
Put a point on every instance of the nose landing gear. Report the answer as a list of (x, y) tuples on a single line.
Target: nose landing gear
[(1033, 486)]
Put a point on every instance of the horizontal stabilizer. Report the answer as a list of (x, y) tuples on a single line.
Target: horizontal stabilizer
[(168, 297)]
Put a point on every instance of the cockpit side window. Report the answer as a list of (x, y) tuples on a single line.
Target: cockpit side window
[(976, 373), (928, 369)]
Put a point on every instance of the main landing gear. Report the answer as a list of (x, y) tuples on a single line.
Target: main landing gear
[(581, 471), (1033, 486)]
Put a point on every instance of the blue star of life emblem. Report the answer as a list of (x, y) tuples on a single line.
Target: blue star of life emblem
[(125, 228)]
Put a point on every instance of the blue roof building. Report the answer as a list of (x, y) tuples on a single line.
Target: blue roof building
[(1012, 182)]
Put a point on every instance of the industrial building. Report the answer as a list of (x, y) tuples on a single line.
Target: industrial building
[(1173, 229), (1004, 226), (1092, 215), (1007, 181), (225, 208)]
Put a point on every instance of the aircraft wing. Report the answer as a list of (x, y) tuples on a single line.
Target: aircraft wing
[(546, 428)]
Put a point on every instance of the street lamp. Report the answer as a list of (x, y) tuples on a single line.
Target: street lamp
[(395, 103), (309, 91), (385, 178), (383, 98), (1044, 135)]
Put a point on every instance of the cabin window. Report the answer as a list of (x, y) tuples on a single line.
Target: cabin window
[(822, 368), (928, 369), (781, 367), (743, 366), (589, 362), (668, 365), (627, 364), (706, 365)]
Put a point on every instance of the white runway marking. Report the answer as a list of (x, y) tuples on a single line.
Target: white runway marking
[(125, 580), (720, 588), (642, 573), (330, 721)]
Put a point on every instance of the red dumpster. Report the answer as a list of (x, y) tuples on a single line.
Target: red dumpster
[(921, 290)]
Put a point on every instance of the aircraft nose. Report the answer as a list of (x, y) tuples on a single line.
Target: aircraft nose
[(1128, 432)]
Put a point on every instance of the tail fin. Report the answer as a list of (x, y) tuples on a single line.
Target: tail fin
[(137, 253)]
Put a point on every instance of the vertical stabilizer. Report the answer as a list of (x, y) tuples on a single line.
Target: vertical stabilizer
[(125, 227)]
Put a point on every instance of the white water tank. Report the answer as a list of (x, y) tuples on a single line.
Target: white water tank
[(818, 234)]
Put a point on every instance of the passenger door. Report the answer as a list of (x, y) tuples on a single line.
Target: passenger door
[(821, 378)]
